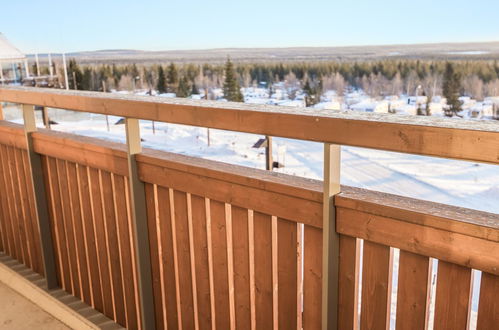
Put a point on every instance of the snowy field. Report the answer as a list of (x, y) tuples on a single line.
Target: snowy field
[(464, 184)]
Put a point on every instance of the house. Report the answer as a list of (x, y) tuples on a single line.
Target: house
[(11, 59)]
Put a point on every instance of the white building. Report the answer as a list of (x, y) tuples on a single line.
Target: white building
[(11, 59)]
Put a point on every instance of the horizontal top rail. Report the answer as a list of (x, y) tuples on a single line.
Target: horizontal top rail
[(438, 137)]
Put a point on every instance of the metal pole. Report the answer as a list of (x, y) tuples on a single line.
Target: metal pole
[(51, 70), (330, 238), (38, 186), (139, 220), (27, 68), (37, 65), (65, 70), (269, 162)]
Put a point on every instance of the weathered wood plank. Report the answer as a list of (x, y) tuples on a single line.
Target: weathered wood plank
[(348, 284), (263, 270), (376, 285), (453, 296), (422, 136), (441, 244), (413, 286), (488, 307)]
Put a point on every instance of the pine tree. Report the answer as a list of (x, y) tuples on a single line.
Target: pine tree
[(172, 78), (74, 75), (194, 89), (232, 91), (183, 87), (451, 88), (161, 87)]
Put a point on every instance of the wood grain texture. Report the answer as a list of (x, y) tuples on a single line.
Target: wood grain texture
[(287, 242), (376, 284), (240, 240), (457, 248), (413, 286), (312, 278), (263, 270), (453, 296), (488, 307), (423, 136), (348, 284)]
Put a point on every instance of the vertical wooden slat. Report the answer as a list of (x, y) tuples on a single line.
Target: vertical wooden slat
[(23, 205), (155, 258), (79, 234), (168, 259), (100, 239), (240, 245), (412, 292), (16, 207), (9, 244), (299, 271), (90, 239), (312, 278), (184, 262), (263, 270), (201, 261), (287, 273), (330, 241), (488, 307), (58, 224), (113, 247), (125, 250), (375, 306), (68, 226), (452, 297), (220, 270), (348, 282)]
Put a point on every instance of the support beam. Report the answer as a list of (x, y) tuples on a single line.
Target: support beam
[(38, 184), (139, 221), (45, 117), (269, 162), (330, 239)]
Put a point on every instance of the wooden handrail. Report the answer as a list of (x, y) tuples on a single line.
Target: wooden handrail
[(447, 138)]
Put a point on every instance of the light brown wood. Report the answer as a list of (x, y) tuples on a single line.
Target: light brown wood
[(12, 135), (113, 247), (168, 258), (90, 239), (452, 247), (99, 230), (375, 310), (312, 278), (6, 206), (220, 267), (1, 112), (192, 260), (453, 296), (488, 307), (412, 292), (263, 270), (424, 136), (125, 250), (183, 255), (201, 261), (348, 282), (451, 218), (289, 207), (240, 245)]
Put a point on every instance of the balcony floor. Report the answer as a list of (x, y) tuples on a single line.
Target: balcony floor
[(17, 312)]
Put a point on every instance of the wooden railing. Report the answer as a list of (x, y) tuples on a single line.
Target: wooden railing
[(232, 247)]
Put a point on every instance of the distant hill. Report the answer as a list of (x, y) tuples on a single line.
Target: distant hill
[(455, 51)]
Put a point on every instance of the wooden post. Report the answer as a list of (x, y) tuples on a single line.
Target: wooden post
[(330, 243), (38, 186), (269, 161), (139, 221), (45, 116)]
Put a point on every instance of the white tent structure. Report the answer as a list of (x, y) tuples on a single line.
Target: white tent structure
[(9, 54)]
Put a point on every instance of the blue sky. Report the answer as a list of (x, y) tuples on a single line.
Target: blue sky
[(41, 26)]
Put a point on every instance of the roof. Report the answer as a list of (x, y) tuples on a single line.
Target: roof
[(8, 52)]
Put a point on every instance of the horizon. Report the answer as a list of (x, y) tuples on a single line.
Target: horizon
[(153, 25)]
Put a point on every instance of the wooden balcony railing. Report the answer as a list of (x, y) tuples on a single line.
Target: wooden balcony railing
[(159, 240)]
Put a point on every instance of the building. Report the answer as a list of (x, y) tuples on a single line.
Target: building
[(11, 62)]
